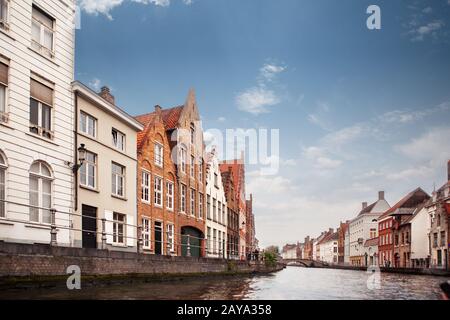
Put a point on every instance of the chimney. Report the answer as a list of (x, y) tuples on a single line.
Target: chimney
[(158, 109), (105, 93), (448, 170), (380, 195), (331, 230), (364, 205)]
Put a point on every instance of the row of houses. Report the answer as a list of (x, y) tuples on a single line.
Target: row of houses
[(76, 170), (412, 233)]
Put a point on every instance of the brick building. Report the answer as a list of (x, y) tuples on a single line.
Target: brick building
[(185, 136), (343, 226), (250, 227), (390, 221), (232, 213), (157, 188)]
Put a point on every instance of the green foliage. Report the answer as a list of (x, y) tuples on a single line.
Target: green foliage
[(270, 258)]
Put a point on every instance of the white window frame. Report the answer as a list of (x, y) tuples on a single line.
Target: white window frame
[(192, 201), (4, 21), (116, 233), (42, 29), (219, 211), (88, 118), (146, 233), (120, 143), (89, 164), (41, 131), (159, 154), (192, 167), (200, 205), (200, 170), (183, 191), (158, 191), (171, 236), (183, 156), (145, 187), (170, 194), (4, 114), (40, 194), (115, 177)]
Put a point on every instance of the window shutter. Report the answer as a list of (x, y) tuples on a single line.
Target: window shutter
[(41, 92), (131, 231), (109, 226), (4, 73)]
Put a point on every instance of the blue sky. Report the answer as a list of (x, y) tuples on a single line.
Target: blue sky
[(358, 110)]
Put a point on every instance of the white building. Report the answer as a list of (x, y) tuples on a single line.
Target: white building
[(329, 248), (289, 251), (420, 242), (371, 251), (364, 227), (347, 246), (36, 119), (216, 210)]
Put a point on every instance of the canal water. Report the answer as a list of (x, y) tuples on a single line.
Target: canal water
[(291, 283)]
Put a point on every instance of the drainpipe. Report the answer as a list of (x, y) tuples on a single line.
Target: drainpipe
[(76, 151)]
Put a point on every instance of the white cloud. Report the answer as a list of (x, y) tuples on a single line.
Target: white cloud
[(320, 158), (105, 7), (432, 146), (327, 163), (428, 10), (344, 135), (430, 28), (256, 100), (95, 84), (411, 173), (221, 119), (268, 72)]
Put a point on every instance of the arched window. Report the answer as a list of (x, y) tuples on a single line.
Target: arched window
[(41, 180), (3, 167)]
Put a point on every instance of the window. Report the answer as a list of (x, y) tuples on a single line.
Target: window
[(146, 227), (214, 241), (407, 238), (192, 202), (41, 102), (2, 186), (192, 134), (373, 233), (42, 32), (438, 222), (169, 195), (216, 183), (200, 170), (4, 18), (158, 191), (192, 167), (209, 239), (40, 192), (200, 206), (88, 124), (435, 240), (443, 238), (159, 157), (88, 171), (119, 228), (145, 186), (214, 209), (183, 155), (183, 198), (4, 68), (118, 139), (224, 210), (208, 207), (170, 237), (118, 180), (219, 216)]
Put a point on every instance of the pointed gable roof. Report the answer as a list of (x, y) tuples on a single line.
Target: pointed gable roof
[(411, 200)]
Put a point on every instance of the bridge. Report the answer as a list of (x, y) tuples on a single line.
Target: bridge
[(307, 263)]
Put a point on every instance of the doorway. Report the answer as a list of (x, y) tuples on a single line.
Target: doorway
[(89, 227), (158, 237)]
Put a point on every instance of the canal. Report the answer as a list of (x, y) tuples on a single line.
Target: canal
[(291, 283)]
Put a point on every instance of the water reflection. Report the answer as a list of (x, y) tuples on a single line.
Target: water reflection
[(291, 283)]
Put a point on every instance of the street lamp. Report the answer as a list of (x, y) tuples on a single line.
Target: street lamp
[(81, 158)]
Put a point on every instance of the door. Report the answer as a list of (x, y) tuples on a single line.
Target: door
[(158, 237), (191, 240), (89, 226)]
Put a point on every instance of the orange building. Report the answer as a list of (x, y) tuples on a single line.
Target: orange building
[(157, 188), (184, 136)]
